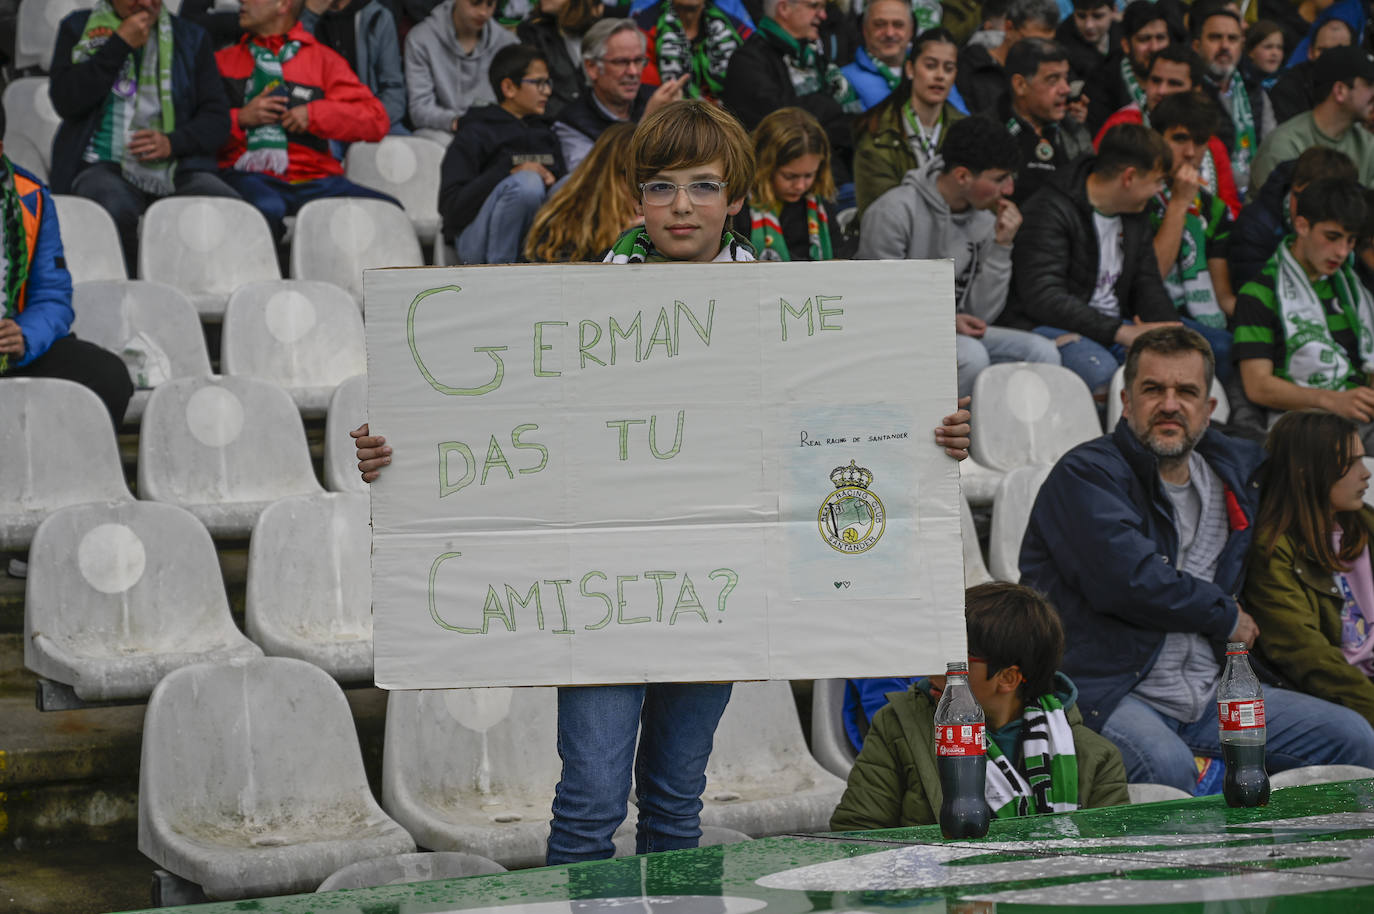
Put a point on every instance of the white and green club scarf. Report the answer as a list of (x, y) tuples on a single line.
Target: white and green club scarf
[(140, 99), (1133, 87), (1246, 141), (267, 143), (1050, 782), (1313, 358)]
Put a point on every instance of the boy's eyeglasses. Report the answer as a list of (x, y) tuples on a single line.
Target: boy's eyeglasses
[(624, 63), (542, 84), (702, 193)]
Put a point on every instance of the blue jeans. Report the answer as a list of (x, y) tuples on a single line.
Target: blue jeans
[(1091, 361), (1301, 730), (1220, 340), (597, 725), (997, 345), (497, 235), (276, 199)]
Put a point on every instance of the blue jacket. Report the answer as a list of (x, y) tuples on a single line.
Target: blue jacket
[(79, 92), (1101, 544), (45, 313), (872, 88)]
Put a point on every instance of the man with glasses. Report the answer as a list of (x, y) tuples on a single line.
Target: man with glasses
[(447, 59), (614, 57), (499, 168)]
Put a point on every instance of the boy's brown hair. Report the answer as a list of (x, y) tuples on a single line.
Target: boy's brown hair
[(1011, 625), (687, 133)]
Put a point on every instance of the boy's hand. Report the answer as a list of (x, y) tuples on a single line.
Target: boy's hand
[(953, 433), (373, 454), (544, 174), (1008, 221), (968, 325)]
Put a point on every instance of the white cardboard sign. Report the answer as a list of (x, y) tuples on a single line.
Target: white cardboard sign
[(666, 472)]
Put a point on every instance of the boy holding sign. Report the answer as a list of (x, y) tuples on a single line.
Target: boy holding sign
[(691, 165)]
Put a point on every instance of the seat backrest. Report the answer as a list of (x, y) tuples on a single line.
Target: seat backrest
[(759, 740), (294, 333), (29, 111), (1010, 514), (149, 324), (1114, 407), (1319, 774), (90, 240), (975, 571), (36, 30), (347, 411), (445, 746), (59, 446), (21, 150), (1029, 413), (309, 569), (407, 168), (407, 868), (206, 246), (244, 744), (336, 239), (134, 575), (1155, 793), (829, 740), (222, 439)]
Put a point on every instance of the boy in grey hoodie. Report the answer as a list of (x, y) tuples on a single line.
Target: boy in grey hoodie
[(957, 208), (447, 59)]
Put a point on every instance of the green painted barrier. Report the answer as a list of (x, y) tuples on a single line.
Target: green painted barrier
[(1310, 850)]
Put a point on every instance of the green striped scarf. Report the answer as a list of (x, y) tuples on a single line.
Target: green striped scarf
[(1312, 356), (14, 255), (810, 70), (765, 233), (635, 246), (707, 61), (141, 98), (1050, 783), (267, 143)]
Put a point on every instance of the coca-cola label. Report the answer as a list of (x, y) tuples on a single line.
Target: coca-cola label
[(959, 739), (1241, 715)]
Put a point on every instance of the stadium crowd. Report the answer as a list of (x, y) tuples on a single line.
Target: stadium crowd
[(1182, 190)]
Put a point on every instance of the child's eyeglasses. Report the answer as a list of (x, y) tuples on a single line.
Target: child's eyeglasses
[(702, 193), (542, 84)]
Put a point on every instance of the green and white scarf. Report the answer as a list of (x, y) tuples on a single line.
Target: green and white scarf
[(892, 77), (1313, 358), (1133, 87), (923, 145), (14, 254), (1050, 783), (811, 71), (635, 246), (765, 233), (927, 13), (707, 61), (1244, 119), (267, 143), (1189, 282), (141, 98)]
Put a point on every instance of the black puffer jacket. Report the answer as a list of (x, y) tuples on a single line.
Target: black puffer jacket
[(1055, 260)]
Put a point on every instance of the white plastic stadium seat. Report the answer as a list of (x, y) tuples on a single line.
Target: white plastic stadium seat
[(252, 782), (1155, 793), (1015, 498), (1028, 413), (337, 239), (310, 583), (59, 450), (150, 325), (36, 30), (829, 739), (407, 168), (761, 779), (473, 770), (29, 111), (223, 449), (305, 337), (347, 411), (20, 150), (207, 247), (121, 594), (90, 241), (1220, 414), (406, 868), (1369, 492), (978, 483), (1319, 774), (975, 571)]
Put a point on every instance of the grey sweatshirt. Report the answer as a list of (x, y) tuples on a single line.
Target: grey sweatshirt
[(443, 82), (912, 221)]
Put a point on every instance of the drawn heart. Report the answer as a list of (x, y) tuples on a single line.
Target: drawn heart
[(844, 584)]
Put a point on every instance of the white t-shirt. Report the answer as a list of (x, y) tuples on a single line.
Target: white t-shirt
[(1110, 261)]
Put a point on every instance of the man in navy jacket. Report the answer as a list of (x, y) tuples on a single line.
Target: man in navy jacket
[(1139, 538)]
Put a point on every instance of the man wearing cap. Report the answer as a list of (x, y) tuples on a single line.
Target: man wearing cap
[(1343, 81)]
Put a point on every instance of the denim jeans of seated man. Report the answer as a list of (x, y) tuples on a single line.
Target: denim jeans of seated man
[(497, 235)]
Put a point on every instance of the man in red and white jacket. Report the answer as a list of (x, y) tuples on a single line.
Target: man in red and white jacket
[(291, 96)]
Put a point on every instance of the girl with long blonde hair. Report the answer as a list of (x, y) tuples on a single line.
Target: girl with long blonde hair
[(588, 213)]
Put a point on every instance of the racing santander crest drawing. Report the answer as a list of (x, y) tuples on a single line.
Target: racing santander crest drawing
[(852, 518)]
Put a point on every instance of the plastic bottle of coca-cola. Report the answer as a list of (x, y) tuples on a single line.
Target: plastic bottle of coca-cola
[(1240, 718), (961, 756)]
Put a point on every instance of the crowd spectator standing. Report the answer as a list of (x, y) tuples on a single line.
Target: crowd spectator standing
[(291, 96), (1292, 92), (363, 32), (1036, 114), (1085, 273), (877, 66), (36, 314), (958, 207), (1174, 504), (498, 170), (982, 81), (1218, 37), (1310, 584), (691, 41), (446, 62), (908, 128), (1343, 81), (143, 111)]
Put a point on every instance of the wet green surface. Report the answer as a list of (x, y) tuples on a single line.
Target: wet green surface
[(1310, 850)]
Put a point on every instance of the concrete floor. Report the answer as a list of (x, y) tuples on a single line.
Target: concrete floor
[(81, 878)]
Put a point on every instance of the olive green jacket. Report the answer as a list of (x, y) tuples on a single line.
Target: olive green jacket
[(883, 157), (895, 782), (1298, 609)]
